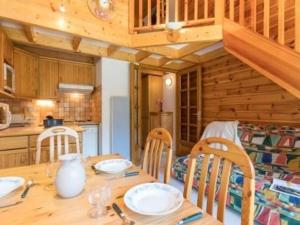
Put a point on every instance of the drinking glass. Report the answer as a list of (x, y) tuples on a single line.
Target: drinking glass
[(87, 162), (99, 198), (50, 172)]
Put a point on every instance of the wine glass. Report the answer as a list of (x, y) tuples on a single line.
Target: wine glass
[(99, 198)]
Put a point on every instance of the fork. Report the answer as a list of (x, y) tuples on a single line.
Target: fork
[(122, 215)]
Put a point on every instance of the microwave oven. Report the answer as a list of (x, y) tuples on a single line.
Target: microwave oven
[(9, 79)]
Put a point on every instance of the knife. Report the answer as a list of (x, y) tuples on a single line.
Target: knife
[(28, 186), (122, 215), (130, 174), (190, 218)]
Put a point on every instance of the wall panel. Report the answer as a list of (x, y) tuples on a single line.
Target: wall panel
[(234, 91)]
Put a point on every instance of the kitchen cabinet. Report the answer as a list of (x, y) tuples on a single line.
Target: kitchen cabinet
[(8, 50), (21, 150), (13, 158), (6, 56), (76, 73), (48, 78), (26, 69)]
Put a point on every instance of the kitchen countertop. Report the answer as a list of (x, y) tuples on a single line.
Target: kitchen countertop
[(26, 131), (81, 123)]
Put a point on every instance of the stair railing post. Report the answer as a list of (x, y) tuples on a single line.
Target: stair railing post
[(219, 11), (297, 25)]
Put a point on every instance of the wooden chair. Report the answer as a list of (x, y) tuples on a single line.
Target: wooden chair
[(58, 132), (232, 155), (157, 140)]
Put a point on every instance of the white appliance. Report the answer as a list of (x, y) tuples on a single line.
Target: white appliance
[(9, 79), (90, 140), (120, 126), (71, 88), (5, 116)]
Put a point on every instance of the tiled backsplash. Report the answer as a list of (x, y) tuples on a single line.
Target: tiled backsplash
[(70, 107), (75, 107)]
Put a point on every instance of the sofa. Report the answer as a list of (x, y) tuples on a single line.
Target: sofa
[(275, 153)]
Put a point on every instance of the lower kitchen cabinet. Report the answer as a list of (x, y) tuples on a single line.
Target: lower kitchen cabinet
[(13, 158), (21, 150)]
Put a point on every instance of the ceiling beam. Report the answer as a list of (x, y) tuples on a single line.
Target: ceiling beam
[(192, 58), (162, 50), (54, 42), (210, 33), (112, 49), (30, 34), (76, 43), (163, 61), (193, 47), (141, 55)]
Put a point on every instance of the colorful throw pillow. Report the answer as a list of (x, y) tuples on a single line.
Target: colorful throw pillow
[(297, 142), (279, 159), (286, 141), (272, 140), (258, 138), (246, 136)]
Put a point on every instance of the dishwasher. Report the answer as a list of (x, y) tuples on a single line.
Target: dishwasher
[(90, 140)]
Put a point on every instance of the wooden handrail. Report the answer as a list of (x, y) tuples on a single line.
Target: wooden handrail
[(153, 15), (268, 12)]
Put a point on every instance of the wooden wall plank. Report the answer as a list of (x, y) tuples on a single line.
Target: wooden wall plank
[(234, 91)]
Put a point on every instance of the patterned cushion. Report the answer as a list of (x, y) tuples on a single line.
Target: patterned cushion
[(271, 208), (275, 152), (271, 144)]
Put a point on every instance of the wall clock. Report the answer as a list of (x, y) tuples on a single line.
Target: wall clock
[(102, 9)]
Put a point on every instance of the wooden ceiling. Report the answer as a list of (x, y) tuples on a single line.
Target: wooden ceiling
[(172, 57)]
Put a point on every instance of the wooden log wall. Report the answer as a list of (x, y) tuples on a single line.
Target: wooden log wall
[(234, 91)]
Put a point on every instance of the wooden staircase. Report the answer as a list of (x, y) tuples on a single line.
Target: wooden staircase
[(265, 34), (277, 62), (261, 38)]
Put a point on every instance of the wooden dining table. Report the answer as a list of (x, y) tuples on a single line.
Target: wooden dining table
[(44, 207)]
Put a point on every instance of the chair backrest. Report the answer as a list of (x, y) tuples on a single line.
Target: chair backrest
[(157, 140), (232, 154), (58, 132)]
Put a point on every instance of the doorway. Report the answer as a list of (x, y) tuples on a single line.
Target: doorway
[(152, 104)]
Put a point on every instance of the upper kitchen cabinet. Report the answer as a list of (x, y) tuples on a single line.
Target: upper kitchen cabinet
[(6, 56), (26, 69), (8, 48), (48, 78), (76, 73)]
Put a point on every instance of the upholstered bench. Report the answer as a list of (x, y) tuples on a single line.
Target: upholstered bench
[(275, 152)]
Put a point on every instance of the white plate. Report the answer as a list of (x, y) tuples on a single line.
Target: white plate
[(113, 165), (9, 184), (153, 199)]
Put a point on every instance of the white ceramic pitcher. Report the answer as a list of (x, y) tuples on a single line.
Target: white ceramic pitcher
[(70, 176)]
